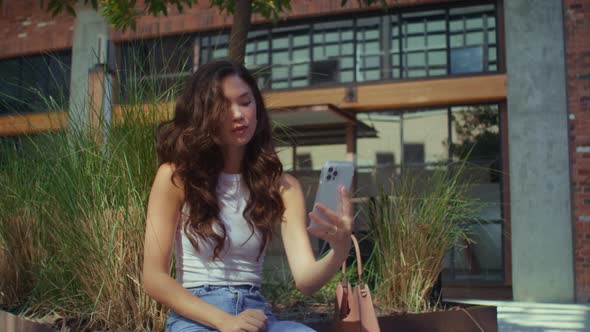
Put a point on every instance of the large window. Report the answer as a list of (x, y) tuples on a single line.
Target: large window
[(35, 83), (452, 40), (440, 42), (155, 69), (424, 44), (290, 57), (425, 140), (333, 52), (212, 47), (472, 33)]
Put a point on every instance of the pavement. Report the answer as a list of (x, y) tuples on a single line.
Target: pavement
[(539, 317)]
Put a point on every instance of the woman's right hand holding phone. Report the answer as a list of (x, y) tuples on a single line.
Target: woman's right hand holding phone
[(335, 227)]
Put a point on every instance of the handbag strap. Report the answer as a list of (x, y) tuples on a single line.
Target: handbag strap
[(359, 262)]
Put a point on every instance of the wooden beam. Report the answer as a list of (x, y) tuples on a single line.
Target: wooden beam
[(11, 125), (370, 96), (395, 95)]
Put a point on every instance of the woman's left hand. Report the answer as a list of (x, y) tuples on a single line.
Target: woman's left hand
[(334, 227)]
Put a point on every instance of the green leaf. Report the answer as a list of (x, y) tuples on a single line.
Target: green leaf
[(71, 10)]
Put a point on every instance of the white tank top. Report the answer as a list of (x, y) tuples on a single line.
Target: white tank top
[(237, 264)]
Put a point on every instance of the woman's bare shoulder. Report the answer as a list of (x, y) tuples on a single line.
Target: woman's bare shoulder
[(289, 183), (168, 181)]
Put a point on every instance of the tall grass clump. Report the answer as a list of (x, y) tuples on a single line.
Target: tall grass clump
[(413, 227), (72, 216)]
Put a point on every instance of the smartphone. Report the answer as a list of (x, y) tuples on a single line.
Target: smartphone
[(334, 175)]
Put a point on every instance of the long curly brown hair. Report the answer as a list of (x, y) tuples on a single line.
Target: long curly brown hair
[(190, 141)]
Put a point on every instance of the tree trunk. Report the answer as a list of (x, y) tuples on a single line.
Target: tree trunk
[(239, 30)]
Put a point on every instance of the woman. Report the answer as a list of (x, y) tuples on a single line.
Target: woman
[(217, 196)]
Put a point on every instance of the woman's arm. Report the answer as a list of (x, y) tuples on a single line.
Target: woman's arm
[(163, 213), (310, 274)]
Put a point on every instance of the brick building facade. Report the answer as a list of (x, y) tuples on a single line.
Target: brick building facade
[(577, 28), (26, 30)]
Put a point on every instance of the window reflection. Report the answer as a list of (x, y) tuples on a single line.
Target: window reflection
[(28, 83), (421, 141), (155, 68), (423, 37), (407, 44)]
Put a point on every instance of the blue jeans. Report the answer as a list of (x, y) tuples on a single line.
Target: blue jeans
[(233, 300)]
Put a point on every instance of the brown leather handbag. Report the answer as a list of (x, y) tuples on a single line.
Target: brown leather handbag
[(354, 306)]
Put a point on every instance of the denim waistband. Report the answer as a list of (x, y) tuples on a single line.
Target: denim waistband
[(251, 288)]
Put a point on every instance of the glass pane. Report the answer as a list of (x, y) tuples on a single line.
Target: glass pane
[(301, 40), (414, 27), (318, 53), (429, 130), (220, 53), (262, 58), (332, 37), (456, 25), (491, 22), (416, 59), (474, 38), (437, 58), (456, 41), (10, 86), (416, 73), (436, 26), (301, 55), (279, 85), (318, 37), (467, 60), (437, 72), (263, 45), (300, 70), (481, 260), (285, 155), (280, 72), (372, 47), (492, 37), (474, 23), (346, 76), (280, 57), (332, 50), (476, 135), (372, 61), (346, 35), (492, 54), (437, 41), (299, 83), (374, 173), (346, 62), (372, 75), (476, 139), (280, 42), (347, 48), (414, 43), (372, 34)]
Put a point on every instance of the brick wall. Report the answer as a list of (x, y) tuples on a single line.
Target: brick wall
[(201, 17), (27, 29), (577, 29)]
